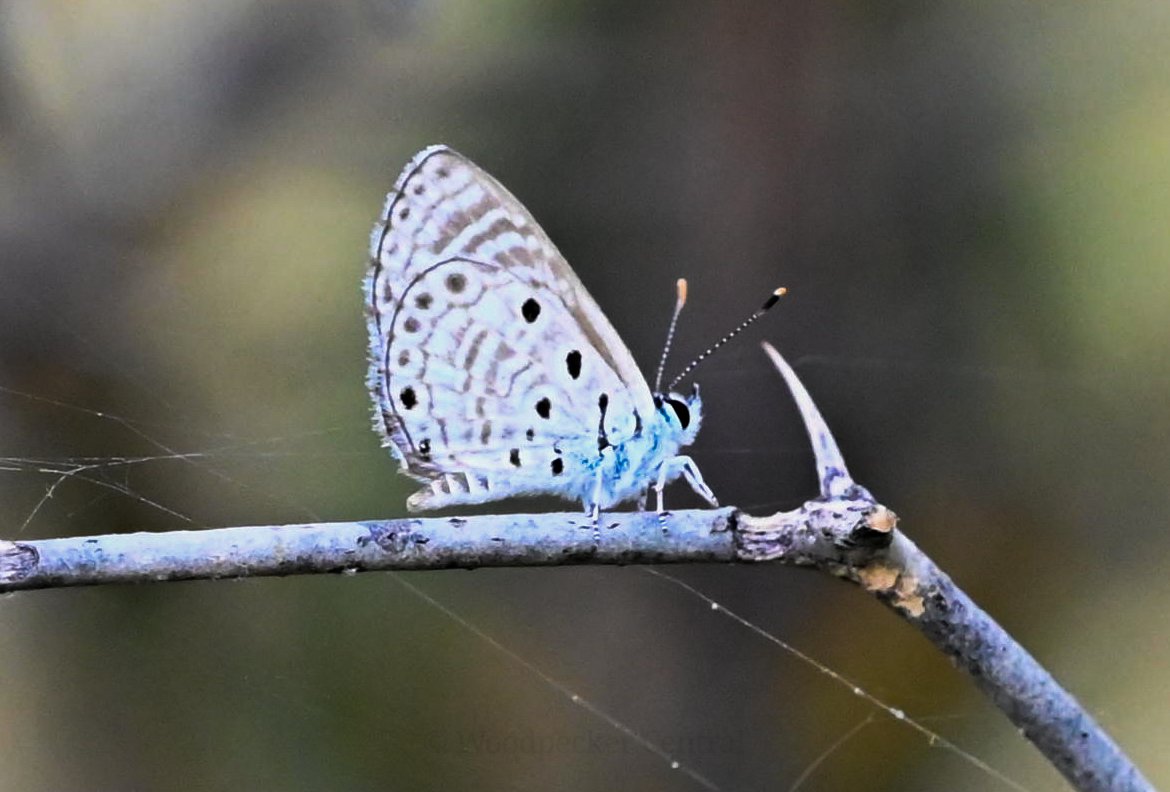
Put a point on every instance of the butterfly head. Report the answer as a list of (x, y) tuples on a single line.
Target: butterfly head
[(681, 413)]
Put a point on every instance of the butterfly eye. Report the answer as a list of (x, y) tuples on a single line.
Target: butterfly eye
[(681, 410)]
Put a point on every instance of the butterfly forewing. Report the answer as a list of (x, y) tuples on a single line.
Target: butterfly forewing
[(489, 357)]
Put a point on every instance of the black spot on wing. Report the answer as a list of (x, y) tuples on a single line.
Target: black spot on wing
[(573, 361)]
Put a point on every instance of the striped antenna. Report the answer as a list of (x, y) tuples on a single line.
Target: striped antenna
[(678, 306), (772, 299)]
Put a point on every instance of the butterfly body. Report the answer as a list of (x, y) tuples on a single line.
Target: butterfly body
[(493, 372)]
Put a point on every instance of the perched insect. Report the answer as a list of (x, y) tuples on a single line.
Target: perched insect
[(492, 370)]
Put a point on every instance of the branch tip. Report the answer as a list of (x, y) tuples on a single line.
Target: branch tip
[(881, 520)]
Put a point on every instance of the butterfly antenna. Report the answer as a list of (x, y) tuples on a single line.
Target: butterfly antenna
[(763, 309), (678, 306)]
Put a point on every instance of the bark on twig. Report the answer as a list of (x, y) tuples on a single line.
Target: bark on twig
[(844, 532), (367, 546)]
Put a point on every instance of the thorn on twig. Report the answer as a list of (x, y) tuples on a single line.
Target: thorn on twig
[(832, 474)]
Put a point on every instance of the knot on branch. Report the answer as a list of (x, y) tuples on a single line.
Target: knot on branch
[(397, 536), (874, 529), (17, 561), (822, 532)]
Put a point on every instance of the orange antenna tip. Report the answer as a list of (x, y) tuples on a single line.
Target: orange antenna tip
[(681, 286)]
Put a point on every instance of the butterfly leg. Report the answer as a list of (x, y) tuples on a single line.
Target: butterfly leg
[(658, 487), (691, 473), (595, 510), (686, 467)]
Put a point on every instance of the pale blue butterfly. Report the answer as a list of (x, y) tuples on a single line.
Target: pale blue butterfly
[(492, 370)]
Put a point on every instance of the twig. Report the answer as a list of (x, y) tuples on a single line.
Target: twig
[(368, 546), (844, 532)]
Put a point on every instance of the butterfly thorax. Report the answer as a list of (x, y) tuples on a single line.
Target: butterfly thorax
[(623, 465)]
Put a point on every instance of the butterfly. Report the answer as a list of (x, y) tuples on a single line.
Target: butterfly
[(493, 371)]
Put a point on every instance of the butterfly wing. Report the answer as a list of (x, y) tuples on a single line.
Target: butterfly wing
[(489, 360)]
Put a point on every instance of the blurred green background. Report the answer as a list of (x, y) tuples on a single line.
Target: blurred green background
[(968, 203)]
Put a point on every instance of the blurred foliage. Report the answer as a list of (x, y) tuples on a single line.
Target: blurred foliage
[(967, 202)]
